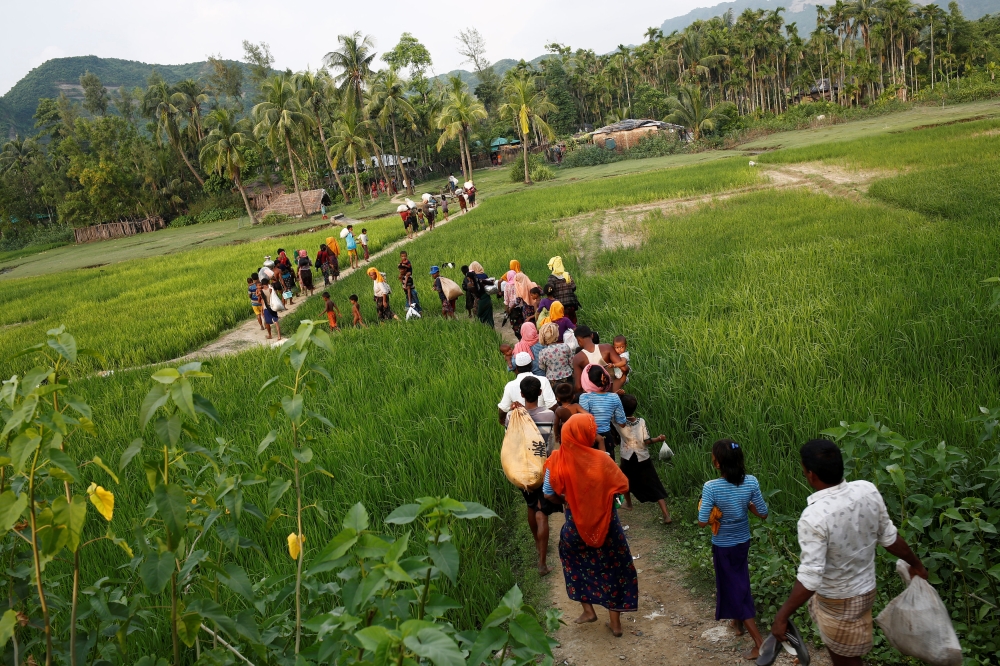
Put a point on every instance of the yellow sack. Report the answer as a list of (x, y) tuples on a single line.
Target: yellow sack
[(523, 452), (450, 288)]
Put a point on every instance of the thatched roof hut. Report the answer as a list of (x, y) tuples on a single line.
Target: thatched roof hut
[(626, 133), (288, 204)]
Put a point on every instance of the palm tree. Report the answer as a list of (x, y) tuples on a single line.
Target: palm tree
[(351, 142), (460, 112), (527, 106), (221, 149), (279, 117), (18, 154), (354, 60), (388, 95), (188, 97), (319, 96), (156, 103), (691, 109), (931, 12)]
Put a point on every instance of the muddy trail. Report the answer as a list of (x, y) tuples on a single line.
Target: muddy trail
[(673, 625)]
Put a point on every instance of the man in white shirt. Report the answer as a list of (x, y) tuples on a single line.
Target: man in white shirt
[(838, 533), (512, 391)]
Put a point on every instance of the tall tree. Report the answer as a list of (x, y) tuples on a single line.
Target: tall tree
[(95, 96), (221, 150), (459, 113), (527, 107), (319, 96), (279, 118), (350, 142), (157, 104), (691, 108), (353, 59), (389, 98)]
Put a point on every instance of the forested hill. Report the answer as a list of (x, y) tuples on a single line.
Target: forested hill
[(802, 12), (63, 75)]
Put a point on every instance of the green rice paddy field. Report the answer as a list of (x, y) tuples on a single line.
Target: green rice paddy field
[(768, 316)]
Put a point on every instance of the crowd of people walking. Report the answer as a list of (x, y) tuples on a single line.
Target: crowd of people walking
[(573, 387)]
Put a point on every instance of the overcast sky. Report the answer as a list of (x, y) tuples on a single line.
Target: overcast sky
[(300, 32)]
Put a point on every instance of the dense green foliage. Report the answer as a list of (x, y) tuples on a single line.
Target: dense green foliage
[(651, 145)]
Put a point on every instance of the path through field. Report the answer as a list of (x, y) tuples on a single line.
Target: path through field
[(673, 627)]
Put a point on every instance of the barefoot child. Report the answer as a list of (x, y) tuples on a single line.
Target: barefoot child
[(253, 284), (270, 316), (356, 311), (735, 494), (363, 239), (332, 312), (643, 482), (566, 405)]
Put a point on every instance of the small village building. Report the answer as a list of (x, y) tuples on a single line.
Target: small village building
[(626, 133), (288, 203)]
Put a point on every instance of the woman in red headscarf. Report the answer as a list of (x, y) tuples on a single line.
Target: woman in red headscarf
[(597, 563)]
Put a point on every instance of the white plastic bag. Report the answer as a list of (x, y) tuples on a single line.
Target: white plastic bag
[(666, 453), (276, 303), (411, 313), (917, 623), (569, 339)]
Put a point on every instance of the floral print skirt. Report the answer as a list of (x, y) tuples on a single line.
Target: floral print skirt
[(603, 576)]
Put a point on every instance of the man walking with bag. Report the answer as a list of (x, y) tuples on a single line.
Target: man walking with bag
[(838, 532)]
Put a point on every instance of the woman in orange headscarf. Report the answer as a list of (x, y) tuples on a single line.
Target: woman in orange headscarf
[(597, 563)]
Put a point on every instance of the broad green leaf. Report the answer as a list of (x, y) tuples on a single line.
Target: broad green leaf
[(168, 429), (60, 459), (898, 476), (336, 548), (434, 644), (156, 398), (445, 558), (21, 451), (292, 406), (475, 510), (487, 642), (274, 493), (81, 408), (166, 375), (171, 507), (404, 515), (7, 624), (100, 463), (52, 535), (357, 518), (11, 509), (65, 346), (525, 630), (188, 626), (203, 405), (321, 339), (514, 599), (266, 442), (303, 455), (72, 515), (236, 579), (129, 453), (371, 637), (183, 397), (322, 372), (121, 543), (155, 571), (266, 384), (297, 358), (212, 611)]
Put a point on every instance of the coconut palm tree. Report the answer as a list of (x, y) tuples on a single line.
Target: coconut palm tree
[(460, 112), (18, 154), (156, 103), (527, 107), (353, 59), (188, 97), (279, 118), (318, 97), (350, 142), (691, 109), (389, 97), (220, 151)]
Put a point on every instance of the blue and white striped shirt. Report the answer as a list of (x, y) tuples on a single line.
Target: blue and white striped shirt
[(733, 501), (604, 407)]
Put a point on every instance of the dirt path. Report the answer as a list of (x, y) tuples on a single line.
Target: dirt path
[(249, 334), (672, 627)]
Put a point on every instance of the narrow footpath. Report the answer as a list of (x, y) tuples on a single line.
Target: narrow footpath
[(673, 626)]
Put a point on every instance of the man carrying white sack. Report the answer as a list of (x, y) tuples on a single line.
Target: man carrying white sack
[(838, 533), (512, 391)]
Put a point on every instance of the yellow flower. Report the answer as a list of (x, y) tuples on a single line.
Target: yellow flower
[(295, 545), (103, 500)]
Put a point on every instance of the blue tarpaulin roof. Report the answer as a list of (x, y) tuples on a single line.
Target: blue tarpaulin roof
[(496, 143)]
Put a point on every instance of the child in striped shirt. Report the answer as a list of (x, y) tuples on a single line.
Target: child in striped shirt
[(736, 494)]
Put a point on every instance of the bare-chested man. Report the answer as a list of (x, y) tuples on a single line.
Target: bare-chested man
[(602, 355)]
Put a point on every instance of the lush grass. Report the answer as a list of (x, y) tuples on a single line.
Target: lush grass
[(152, 309)]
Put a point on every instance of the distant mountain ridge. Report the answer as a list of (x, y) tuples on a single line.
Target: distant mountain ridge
[(60, 75)]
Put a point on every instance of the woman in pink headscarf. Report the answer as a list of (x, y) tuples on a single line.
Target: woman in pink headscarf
[(529, 343)]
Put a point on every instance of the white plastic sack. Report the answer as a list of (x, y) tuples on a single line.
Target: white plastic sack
[(425, 196), (344, 232), (569, 338), (401, 207), (666, 453), (917, 623), (411, 313), (276, 303)]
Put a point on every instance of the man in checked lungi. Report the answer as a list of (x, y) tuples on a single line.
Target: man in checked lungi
[(838, 532)]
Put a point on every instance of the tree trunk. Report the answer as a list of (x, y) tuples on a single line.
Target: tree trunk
[(399, 162), (326, 151), (246, 202), (468, 156), (295, 177), (378, 156), (524, 149), (191, 168), (461, 156), (357, 183)]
